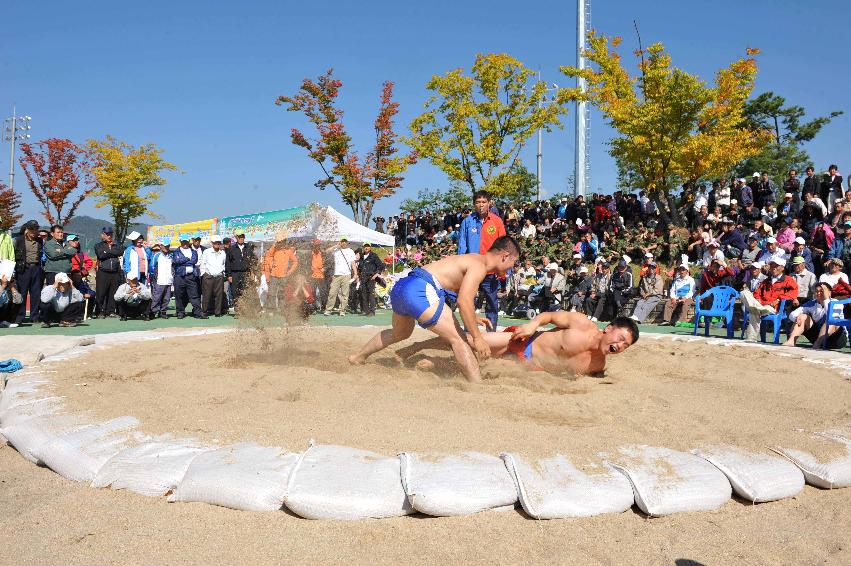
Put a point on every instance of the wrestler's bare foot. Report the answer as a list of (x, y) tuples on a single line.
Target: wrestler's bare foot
[(356, 360), (425, 365), (789, 343)]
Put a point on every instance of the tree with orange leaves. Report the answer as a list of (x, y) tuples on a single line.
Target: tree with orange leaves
[(673, 128), (58, 173), (359, 183), (10, 201)]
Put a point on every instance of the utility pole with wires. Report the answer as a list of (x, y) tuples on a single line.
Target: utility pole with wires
[(15, 128)]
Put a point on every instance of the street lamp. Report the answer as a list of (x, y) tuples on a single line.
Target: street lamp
[(539, 171), (14, 129)]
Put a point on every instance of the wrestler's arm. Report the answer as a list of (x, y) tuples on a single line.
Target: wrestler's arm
[(467, 291), (561, 319)]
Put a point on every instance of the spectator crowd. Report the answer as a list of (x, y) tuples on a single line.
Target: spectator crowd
[(780, 248)]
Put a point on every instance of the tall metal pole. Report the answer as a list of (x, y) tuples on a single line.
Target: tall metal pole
[(540, 151), (579, 173), (12, 157)]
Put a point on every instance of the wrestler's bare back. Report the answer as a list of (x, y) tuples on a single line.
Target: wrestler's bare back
[(450, 271)]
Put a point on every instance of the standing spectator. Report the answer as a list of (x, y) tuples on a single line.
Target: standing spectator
[(767, 297), (280, 262), (133, 299), (81, 263), (213, 278), (184, 260), (805, 279), (317, 273), (746, 192), (344, 270), (477, 234), (650, 290), (136, 259), (58, 254), (240, 263), (681, 297), (28, 271), (831, 187), (369, 269), (7, 246), (60, 302), (109, 274), (812, 185), (162, 278), (765, 192), (379, 224)]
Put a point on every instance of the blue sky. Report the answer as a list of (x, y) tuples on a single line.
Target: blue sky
[(200, 79)]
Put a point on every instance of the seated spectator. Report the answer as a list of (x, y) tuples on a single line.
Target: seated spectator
[(805, 279), (716, 274), (61, 303), (681, 296), (581, 289), (552, 290), (801, 250), (650, 290), (752, 252), (834, 273), (595, 299), (754, 276), (766, 299), (808, 320), (133, 299), (786, 237), (772, 251), (713, 253), (528, 230)]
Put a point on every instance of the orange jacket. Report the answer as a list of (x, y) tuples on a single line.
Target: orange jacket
[(279, 262), (784, 288), (317, 265)]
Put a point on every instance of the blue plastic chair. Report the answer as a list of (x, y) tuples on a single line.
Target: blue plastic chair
[(776, 319), (832, 320), (723, 301)]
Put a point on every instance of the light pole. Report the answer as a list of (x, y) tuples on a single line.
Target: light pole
[(539, 171), (582, 166), (15, 129)]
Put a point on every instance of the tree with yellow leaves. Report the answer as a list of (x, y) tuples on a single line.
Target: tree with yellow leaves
[(125, 176), (673, 128), (475, 127)]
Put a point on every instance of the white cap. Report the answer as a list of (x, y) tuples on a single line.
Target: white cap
[(133, 236), (579, 222), (626, 258), (800, 240), (771, 240), (62, 278), (755, 174), (778, 260), (682, 266), (734, 201), (583, 269), (742, 180), (648, 254), (787, 195), (757, 264), (577, 256), (216, 238), (552, 265)]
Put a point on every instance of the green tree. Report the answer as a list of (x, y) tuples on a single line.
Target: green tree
[(125, 177), (769, 111), (475, 126), (673, 129)]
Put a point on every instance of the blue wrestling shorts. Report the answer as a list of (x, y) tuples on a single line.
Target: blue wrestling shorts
[(414, 294)]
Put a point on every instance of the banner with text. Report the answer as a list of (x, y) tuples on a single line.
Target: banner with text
[(171, 232)]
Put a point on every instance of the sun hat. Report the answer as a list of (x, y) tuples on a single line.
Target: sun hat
[(755, 174), (771, 240), (577, 256), (133, 236), (757, 265), (62, 278), (184, 237), (552, 265), (583, 269), (215, 238), (800, 240), (797, 260), (777, 260)]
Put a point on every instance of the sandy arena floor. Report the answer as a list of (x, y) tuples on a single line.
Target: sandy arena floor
[(285, 387)]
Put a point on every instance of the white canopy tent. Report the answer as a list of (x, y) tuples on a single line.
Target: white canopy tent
[(332, 225)]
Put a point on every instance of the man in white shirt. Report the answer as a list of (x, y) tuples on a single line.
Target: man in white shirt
[(681, 296), (162, 278), (213, 278), (344, 268)]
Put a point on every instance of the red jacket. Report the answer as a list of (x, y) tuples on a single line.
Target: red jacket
[(784, 288)]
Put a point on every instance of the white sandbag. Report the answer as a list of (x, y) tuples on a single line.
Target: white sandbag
[(152, 468), (446, 486), (80, 454), (553, 488), (31, 409), (19, 391), (666, 481), (28, 436), (754, 476), (246, 476), (829, 474), (338, 482)]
